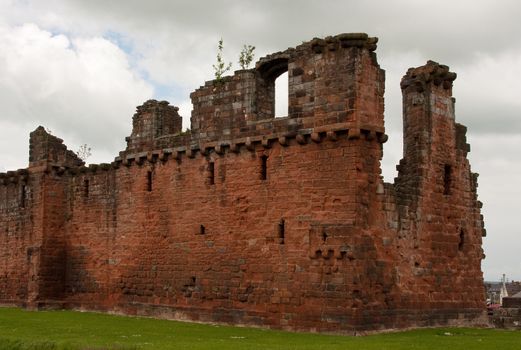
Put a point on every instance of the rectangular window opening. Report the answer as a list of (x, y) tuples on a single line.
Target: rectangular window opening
[(447, 179), (202, 230), (211, 173), (264, 168), (282, 229), (23, 196), (86, 188), (461, 240), (149, 181)]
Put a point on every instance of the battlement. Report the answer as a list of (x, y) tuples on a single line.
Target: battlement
[(301, 137), (249, 218)]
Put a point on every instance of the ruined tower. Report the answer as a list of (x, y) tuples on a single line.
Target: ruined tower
[(251, 219)]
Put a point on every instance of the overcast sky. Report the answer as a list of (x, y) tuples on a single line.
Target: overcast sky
[(80, 68)]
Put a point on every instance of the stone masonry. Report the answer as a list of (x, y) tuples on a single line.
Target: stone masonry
[(255, 220)]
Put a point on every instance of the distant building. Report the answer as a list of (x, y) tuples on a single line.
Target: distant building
[(496, 291), (512, 302)]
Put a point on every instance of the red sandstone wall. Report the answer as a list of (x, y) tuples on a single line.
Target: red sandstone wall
[(130, 246), (185, 225), (16, 234)]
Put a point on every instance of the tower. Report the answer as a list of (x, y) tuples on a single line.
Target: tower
[(436, 192)]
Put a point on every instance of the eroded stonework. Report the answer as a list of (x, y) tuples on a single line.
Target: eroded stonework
[(255, 220)]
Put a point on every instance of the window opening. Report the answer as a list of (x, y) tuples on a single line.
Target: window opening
[(149, 181), (211, 173), (202, 230), (447, 179), (264, 167), (461, 239), (281, 95), (282, 231), (23, 196), (324, 236), (86, 188)]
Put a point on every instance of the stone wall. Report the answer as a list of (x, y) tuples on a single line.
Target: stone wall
[(507, 317), (16, 228), (251, 219), (512, 302)]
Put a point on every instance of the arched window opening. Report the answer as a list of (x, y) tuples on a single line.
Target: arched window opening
[(272, 88), (281, 95)]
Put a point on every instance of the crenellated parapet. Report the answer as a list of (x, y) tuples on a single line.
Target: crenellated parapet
[(242, 144)]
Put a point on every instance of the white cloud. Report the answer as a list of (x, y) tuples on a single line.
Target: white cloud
[(81, 88), (14, 145), (496, 159), (185, 62), (487, 92)]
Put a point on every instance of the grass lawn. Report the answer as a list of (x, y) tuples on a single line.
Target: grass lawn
[(53, 330)]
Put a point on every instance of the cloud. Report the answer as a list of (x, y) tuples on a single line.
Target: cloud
[(14, 145), (81, 88), (488, 92), (499, 169)]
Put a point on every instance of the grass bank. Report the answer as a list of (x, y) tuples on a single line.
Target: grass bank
[(69, 330)]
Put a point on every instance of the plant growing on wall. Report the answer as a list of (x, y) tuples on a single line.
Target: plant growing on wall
[(246, 56), (220, 67), (84, 152)]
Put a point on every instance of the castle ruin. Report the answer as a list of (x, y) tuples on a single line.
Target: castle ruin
[(255, 220)]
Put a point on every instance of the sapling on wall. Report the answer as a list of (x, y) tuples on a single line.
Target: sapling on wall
[(220, 67), (246, 56)]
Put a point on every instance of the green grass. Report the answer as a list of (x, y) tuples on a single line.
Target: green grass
[(61, 330)]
